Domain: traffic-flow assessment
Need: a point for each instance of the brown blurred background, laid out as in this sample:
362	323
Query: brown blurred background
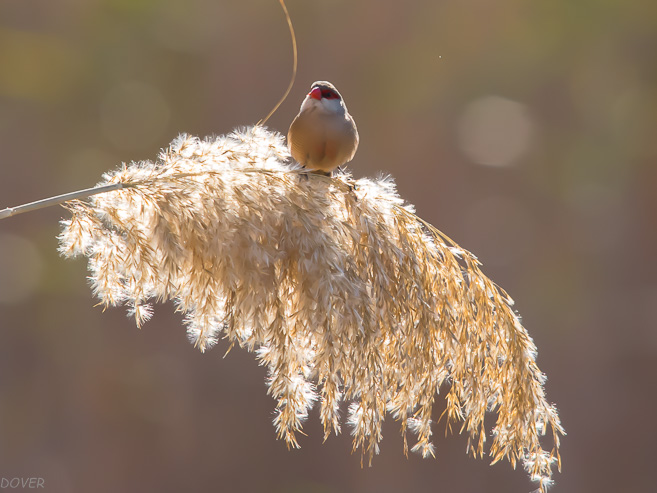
525	130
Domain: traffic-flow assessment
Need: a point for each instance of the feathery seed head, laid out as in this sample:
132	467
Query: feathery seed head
342	291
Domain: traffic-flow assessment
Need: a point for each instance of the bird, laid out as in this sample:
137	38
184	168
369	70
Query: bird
323	136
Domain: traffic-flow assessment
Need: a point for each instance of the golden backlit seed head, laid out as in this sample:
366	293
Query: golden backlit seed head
339	288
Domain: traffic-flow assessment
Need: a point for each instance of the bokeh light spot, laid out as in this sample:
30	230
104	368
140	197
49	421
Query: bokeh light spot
495	131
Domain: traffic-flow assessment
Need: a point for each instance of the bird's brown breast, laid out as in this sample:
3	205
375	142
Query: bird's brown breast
322	141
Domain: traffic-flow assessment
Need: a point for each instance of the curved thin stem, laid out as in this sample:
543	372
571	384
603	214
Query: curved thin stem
294	65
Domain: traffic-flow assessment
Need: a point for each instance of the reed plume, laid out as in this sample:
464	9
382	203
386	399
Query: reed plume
334	283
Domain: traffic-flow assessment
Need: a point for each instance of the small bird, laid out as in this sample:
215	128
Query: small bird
323	135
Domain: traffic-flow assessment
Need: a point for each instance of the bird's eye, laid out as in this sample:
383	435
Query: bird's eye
328	94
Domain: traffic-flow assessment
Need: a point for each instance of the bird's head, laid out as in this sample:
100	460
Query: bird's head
325	97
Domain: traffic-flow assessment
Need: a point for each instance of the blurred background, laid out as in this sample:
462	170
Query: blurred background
525	130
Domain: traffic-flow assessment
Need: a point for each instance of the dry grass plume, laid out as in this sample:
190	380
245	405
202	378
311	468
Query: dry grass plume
335	284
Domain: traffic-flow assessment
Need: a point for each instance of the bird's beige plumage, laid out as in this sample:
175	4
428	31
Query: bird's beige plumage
323	135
